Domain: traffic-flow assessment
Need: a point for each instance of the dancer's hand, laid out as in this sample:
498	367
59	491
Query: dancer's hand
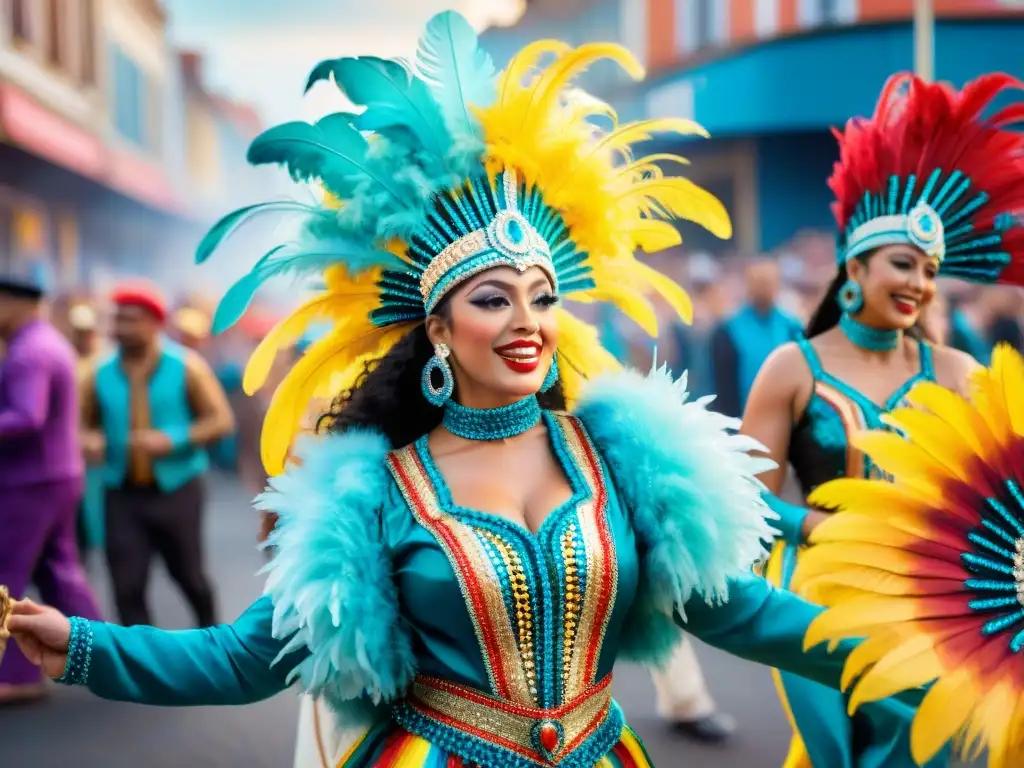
42	634
94	446
814	518
152	442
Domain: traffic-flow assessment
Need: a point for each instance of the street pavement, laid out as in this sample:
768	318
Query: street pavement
73	728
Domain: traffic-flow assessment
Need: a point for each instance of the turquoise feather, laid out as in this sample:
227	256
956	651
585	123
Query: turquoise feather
692	488
458	72
331	150
392	97
230	223
330	559
298	260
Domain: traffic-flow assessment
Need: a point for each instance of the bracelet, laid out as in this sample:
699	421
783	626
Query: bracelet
76	669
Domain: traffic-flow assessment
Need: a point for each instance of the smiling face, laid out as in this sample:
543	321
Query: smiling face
502	334
898	282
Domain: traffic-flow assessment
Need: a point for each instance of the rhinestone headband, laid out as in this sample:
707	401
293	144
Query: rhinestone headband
921	227
508	240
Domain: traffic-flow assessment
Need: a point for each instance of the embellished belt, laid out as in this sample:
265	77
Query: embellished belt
544	737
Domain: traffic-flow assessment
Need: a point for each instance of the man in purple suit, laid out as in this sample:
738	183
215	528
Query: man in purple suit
41	466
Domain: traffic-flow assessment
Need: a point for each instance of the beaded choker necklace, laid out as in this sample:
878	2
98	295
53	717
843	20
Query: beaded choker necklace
491	423
869	338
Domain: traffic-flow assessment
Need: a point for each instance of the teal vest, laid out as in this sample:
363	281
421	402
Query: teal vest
170	413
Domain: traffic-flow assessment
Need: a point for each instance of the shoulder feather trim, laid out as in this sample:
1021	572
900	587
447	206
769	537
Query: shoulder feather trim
330	578
690	486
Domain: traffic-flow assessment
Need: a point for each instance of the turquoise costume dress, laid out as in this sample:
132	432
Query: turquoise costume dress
459	638
877	736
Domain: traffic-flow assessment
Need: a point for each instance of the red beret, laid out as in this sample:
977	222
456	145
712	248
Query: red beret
142	295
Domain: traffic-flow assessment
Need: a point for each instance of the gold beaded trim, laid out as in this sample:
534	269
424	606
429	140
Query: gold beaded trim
573	601
523	611
509	725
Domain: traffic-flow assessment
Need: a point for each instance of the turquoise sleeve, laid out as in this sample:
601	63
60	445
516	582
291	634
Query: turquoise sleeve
766	625
222	665
791	517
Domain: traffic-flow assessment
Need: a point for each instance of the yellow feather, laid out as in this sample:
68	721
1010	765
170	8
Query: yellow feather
669	290
548	87
288	330
910	664
849	526
823	559
937	438
826	592
869	497
630	303
896	529
644	130
942	713
649	165
989	398
522	63
990	722
871	650
652	236
857	617
908	463
684	200
1015	749
1008	367
956	412
580	355
864	579
347	296
610	204
338	352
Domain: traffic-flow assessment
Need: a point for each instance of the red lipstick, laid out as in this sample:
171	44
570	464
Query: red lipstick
521	355
903	308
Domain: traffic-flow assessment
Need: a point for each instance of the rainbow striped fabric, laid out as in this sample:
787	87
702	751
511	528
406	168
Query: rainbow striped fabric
389	746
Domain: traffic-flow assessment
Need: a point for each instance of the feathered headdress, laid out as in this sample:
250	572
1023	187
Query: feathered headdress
928	169
929	569
452	169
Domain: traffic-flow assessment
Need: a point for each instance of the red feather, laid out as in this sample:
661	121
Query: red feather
919	127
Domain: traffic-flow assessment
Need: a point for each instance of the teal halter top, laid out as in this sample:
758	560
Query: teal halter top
819	448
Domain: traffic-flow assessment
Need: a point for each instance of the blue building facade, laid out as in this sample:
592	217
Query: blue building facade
770	108
769	94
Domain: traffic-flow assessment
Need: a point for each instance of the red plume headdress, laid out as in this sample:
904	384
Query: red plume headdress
930	170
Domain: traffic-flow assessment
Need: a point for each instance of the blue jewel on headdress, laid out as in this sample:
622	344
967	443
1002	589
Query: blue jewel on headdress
924	228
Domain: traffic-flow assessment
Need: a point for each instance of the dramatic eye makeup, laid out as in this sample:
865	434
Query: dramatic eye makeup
494	294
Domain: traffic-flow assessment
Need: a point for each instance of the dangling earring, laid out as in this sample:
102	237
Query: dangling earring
850	298
439	362
552	376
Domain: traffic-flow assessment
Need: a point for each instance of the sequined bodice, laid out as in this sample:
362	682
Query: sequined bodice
529	619
819	448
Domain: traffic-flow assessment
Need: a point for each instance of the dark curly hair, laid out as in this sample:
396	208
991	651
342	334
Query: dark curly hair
387	395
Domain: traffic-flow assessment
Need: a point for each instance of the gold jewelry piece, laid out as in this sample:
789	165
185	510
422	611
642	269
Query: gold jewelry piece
6	609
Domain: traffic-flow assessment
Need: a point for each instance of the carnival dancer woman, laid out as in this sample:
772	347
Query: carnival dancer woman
458	562
923	188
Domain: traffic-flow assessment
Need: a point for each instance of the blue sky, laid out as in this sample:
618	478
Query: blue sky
261	50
